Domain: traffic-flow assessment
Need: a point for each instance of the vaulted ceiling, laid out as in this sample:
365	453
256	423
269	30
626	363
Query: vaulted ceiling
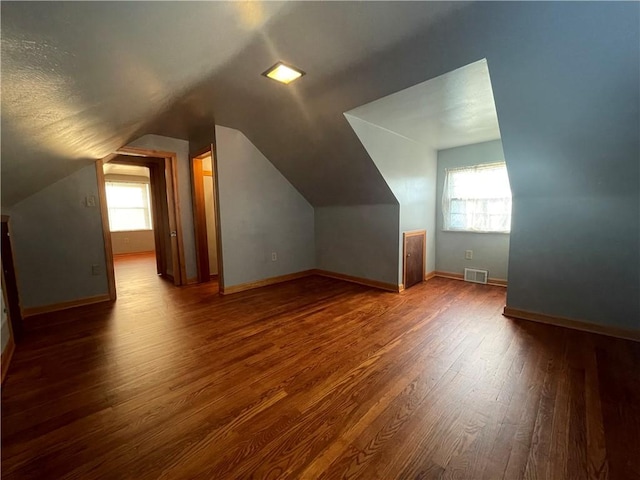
80	79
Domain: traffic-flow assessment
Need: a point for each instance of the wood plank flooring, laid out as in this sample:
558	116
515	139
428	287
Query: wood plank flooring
315	379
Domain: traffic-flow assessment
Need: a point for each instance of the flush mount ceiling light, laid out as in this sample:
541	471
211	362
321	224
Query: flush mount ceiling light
283	73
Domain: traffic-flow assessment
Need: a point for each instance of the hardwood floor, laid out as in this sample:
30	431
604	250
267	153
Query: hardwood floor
315	379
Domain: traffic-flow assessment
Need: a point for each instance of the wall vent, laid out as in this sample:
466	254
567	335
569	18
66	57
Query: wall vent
475	276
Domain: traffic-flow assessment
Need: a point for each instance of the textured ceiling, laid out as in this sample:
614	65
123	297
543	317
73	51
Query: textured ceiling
80	79
448	111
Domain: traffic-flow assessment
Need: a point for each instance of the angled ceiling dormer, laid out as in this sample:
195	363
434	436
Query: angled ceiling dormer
402	133
452	110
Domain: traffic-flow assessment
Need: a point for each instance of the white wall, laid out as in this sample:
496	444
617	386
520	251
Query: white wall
409	168
210	213
56	240
181	148
490	250
133	241
260	213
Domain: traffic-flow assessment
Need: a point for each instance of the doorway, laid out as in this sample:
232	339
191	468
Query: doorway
414	257
207	216
137	220
163	211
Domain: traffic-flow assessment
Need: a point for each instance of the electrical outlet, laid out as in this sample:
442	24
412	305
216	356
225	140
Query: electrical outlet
274	256
468	254
96	270
90	201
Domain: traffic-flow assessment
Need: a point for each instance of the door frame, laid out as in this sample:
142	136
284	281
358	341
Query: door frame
173	204
15	316
405	236
200	217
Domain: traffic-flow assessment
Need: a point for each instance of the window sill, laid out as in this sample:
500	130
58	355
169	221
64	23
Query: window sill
475	231
130	231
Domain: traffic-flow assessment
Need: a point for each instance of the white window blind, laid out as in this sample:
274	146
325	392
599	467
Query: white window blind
129	207
477	199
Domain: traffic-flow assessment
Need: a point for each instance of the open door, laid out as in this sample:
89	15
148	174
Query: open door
414	257
206	215
165	211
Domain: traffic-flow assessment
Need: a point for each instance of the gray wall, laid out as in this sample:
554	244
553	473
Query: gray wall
260	213
181	148
568	101
409	168
565	79
490	250
359	240
56	239
585	265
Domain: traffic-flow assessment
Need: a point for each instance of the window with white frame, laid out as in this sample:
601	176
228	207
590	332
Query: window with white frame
129	206
477	199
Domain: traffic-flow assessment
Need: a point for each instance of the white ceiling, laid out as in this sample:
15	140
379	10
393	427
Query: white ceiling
448	111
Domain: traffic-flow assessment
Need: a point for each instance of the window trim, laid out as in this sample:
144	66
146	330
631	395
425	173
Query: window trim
148	208
444	210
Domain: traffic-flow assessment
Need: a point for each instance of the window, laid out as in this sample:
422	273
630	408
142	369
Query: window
477	199
128	205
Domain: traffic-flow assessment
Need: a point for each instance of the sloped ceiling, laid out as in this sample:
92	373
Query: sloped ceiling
80	79
451	110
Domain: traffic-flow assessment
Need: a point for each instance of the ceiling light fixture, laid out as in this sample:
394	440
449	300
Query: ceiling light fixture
283	73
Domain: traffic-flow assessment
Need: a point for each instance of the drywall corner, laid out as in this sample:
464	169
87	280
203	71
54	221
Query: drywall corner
261	214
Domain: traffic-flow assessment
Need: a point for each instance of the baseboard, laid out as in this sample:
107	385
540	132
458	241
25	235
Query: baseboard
263	283
427	277
56	307
194	280
361	281
496	282
571	323
7	354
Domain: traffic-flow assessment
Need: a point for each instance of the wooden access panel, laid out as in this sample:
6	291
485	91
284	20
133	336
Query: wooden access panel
414	257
